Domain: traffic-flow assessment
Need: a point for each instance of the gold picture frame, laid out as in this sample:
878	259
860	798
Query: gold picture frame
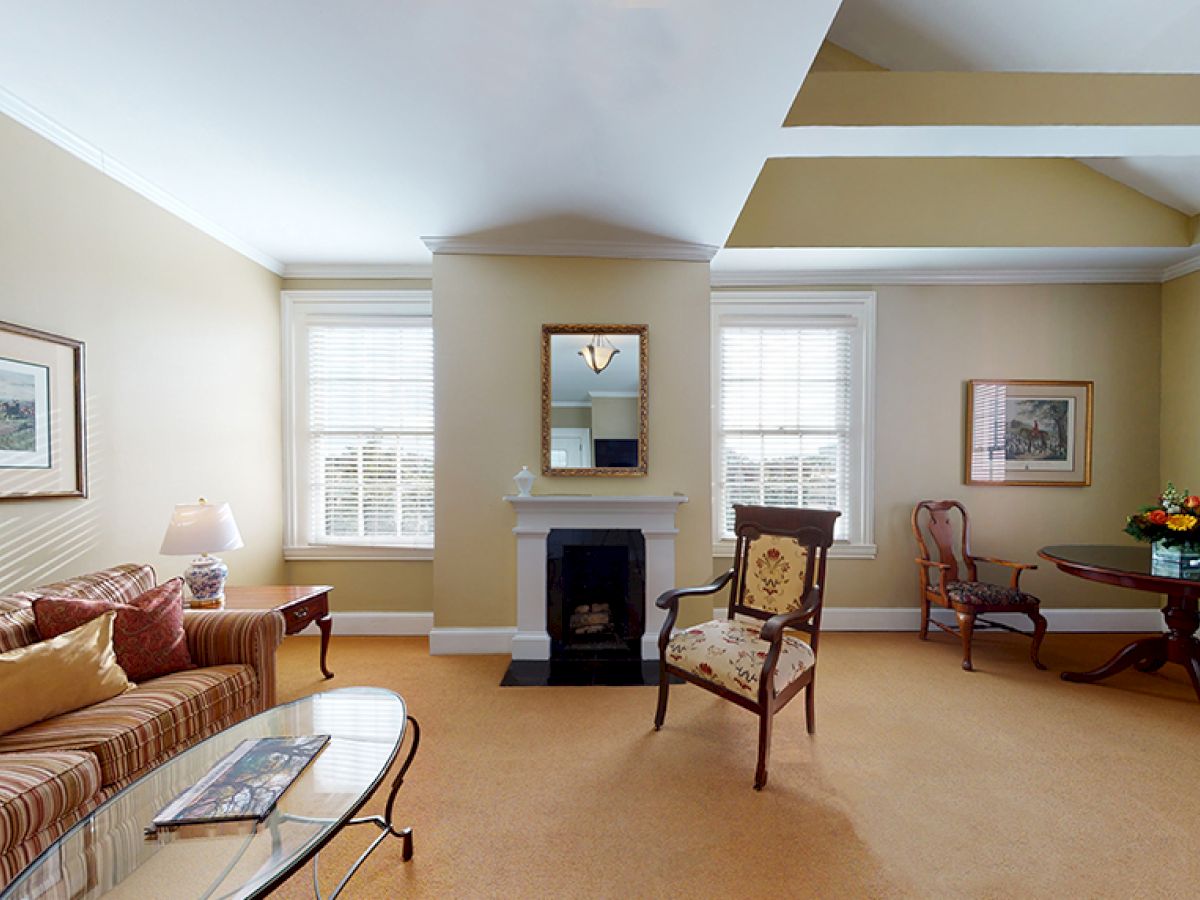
1028	433
43	441
643	403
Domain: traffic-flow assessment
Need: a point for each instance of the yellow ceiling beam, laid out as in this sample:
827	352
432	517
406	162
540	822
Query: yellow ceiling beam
865	98
950	202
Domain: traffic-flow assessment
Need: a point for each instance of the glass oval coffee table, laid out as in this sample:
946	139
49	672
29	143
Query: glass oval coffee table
108	853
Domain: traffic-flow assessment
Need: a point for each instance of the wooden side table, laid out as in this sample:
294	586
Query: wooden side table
301	605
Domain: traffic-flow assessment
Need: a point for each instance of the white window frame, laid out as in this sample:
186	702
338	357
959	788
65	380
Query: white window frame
297	308
816	307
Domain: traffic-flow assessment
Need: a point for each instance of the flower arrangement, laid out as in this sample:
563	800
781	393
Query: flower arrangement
1172	522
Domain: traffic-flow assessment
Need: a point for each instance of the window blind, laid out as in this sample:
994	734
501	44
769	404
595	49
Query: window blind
785	417
370	431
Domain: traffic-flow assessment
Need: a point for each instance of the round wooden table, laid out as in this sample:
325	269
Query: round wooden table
1132	567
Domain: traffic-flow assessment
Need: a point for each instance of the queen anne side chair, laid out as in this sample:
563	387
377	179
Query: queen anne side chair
776	582
968	596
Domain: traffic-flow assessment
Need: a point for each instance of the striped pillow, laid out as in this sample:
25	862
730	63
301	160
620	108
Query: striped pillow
148	634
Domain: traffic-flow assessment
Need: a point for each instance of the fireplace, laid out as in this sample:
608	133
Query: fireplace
595	593
652	517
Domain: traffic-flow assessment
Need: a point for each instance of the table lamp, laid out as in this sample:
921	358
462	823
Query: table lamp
203	528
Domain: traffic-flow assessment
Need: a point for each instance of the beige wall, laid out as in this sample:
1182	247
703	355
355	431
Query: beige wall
570	417
183	372
932	339
1180	457
488	421
370	585
614	417
949	202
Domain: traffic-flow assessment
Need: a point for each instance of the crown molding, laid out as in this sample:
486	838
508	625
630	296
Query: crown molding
671	250
420	271
785	278
1184	267
41	124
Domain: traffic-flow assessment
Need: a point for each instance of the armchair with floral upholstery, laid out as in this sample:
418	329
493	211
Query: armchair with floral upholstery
755	658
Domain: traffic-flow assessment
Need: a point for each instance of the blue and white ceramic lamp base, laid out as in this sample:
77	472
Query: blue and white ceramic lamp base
205	578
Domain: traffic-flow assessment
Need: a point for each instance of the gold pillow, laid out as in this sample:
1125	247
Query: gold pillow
73	670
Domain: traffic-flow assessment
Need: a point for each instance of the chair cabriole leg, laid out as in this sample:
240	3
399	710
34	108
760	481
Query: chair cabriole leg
966	627
924	617
1039	632
810	705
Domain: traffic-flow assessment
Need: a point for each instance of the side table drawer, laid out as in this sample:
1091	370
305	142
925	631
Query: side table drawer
300	616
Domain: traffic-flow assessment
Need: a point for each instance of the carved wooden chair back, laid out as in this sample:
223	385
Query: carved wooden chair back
780	555
939	523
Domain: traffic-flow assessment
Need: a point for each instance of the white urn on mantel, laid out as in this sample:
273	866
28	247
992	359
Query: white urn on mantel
524	480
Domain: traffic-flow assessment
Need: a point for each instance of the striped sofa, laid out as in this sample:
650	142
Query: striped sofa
55	772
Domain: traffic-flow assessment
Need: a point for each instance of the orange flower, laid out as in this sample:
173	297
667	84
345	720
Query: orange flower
1157	516
1181	522
1192	502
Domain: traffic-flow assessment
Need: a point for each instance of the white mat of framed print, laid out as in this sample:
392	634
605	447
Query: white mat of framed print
1029	433
42	442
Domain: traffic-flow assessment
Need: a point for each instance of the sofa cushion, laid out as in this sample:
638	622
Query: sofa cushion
148	636
135	730
74	670
38	789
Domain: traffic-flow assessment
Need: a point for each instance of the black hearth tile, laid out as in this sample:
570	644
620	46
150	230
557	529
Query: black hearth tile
582	673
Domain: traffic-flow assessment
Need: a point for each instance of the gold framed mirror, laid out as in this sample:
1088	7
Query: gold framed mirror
594	399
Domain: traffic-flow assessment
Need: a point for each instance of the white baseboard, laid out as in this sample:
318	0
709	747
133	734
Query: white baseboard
383	624
443	641
887	618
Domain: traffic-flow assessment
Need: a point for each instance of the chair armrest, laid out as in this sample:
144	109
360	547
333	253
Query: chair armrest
669	599
942	569
1017	567
248	636
772	629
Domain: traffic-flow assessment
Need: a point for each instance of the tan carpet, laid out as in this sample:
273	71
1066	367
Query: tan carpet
922	780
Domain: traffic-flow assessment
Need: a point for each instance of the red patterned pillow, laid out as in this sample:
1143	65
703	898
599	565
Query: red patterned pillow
147	635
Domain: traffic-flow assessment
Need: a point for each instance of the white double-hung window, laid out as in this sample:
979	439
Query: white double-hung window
359	431
792	408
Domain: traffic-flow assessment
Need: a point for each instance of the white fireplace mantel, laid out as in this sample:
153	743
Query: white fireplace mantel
654	517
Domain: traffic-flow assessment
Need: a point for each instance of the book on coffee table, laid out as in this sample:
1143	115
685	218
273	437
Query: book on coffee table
245	784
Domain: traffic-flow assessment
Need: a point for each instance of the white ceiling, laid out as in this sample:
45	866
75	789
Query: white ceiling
320	132
1173	180
1023	35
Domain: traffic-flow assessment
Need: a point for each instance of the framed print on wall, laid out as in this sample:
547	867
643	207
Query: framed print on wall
43	448
1029	433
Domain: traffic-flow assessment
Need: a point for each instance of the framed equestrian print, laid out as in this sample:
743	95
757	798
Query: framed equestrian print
1029	433
43	450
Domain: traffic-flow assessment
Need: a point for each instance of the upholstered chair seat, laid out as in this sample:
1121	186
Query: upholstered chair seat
980	593
756	656
731	654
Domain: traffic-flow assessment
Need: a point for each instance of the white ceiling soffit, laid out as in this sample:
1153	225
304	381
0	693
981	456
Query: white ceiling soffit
738	267
321	133
1152	36
1180	142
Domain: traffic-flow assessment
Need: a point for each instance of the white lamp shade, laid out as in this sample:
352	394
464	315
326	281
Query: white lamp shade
201	528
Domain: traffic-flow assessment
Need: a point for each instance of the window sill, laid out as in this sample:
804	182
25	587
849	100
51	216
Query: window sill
352	552
840	550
